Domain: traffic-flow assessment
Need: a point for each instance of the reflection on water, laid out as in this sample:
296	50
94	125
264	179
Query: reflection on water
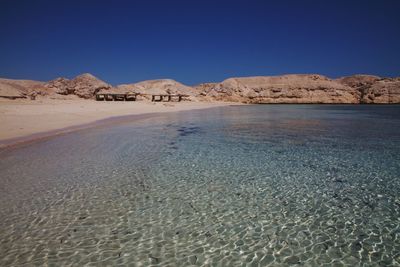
237	186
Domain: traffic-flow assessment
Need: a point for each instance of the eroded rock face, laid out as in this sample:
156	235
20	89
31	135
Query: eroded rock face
383	91
21	88
205	88
60	86
84	86
373	89
263	89
282	89
157	87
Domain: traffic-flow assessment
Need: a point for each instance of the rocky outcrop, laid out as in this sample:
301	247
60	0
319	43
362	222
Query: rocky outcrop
281	89
84	86
21	88
204	89
373	89
304	88
157	87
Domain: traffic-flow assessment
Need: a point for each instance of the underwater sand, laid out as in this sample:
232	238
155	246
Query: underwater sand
266	185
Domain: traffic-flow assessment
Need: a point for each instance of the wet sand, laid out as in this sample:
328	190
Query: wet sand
24	120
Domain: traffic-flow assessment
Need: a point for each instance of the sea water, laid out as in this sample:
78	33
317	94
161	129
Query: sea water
265	185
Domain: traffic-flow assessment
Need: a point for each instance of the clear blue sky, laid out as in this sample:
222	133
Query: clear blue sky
197	41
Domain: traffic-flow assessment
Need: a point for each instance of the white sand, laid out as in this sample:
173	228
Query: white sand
19	118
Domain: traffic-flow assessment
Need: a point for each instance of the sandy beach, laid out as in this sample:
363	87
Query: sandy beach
23	118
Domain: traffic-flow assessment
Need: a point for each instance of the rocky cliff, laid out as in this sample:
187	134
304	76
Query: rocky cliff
357	89
84	86
303	88
281	89
20	88
159	87
373	89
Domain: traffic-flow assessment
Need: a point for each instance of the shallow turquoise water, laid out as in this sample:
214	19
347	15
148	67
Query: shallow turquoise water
276	185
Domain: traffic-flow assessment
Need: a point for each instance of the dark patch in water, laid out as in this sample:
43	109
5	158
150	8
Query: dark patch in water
356	246
369	204
154	259
347	199
185	131
338	180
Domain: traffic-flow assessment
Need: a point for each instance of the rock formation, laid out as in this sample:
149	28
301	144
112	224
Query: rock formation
84	86
159	87
303	88
281	89
373	89
20	88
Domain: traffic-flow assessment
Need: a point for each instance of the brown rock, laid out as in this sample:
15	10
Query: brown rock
305	88
162	86
84	86
373	89
283	89
21	88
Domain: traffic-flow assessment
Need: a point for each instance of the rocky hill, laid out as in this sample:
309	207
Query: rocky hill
162	86
84	86
281	89
373	89
363	89
20	88
302	88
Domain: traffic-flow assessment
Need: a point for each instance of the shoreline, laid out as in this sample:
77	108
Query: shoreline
24	122
39	136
